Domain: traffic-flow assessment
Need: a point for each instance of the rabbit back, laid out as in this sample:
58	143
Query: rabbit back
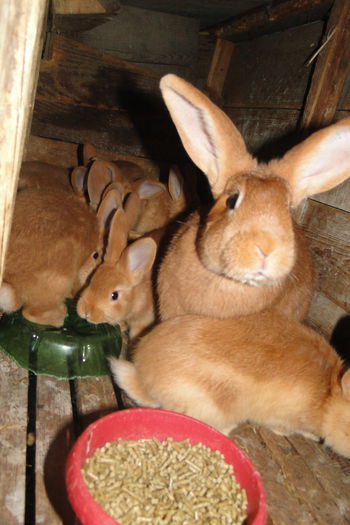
52	235
266	369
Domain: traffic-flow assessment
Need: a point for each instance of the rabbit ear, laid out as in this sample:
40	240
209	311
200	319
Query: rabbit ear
89	153
101	174
131	209
117	237
147	188
175	183
319	163
78	178
345	385
139	257
208	135
111	201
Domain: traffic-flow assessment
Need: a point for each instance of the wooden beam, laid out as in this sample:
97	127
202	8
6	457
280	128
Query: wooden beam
73	16
278	15
218	69
331	71
21	37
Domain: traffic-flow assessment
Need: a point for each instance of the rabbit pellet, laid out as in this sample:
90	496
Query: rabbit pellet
163	482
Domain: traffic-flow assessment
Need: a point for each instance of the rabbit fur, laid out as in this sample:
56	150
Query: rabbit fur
120	290
40	175
246	253
54	245
264	368
160	203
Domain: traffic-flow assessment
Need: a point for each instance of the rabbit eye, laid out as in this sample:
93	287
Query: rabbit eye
114	296
95	255
232	201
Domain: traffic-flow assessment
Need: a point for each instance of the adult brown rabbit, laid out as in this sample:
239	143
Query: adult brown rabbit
264	368
246	254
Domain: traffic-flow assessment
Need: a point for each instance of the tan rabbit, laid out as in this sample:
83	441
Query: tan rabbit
264	368
246	253
120	290
159	203
54	245
41	175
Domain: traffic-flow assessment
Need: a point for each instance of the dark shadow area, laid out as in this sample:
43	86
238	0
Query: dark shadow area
151	122
54	474
340	339
278	146
55	463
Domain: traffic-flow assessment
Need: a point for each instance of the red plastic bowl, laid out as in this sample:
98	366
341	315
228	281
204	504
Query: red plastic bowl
138	423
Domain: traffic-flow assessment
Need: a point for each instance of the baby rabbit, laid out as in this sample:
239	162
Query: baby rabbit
246	254
120	290
159	203
54	243
264	368
41	175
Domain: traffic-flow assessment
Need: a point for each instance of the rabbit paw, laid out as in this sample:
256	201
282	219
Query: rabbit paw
53	317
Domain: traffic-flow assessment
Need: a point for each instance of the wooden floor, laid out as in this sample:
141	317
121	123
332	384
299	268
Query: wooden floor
40	418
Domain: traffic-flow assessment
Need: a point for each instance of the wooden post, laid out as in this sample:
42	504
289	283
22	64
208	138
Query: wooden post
21	31
332	68
219	66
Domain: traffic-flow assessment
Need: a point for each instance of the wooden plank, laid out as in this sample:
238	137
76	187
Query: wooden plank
268	132
21	23
80	15
332	68
338	197
142	134
328	232
219	66
65	154
332	473
78	74
323	315
141	35
95	398
274	17
13	424
54	438
285	506
270	71
303	481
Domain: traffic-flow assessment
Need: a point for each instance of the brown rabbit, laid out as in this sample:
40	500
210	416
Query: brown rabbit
53	247
159	203
41	175
120	290
246	254
264	368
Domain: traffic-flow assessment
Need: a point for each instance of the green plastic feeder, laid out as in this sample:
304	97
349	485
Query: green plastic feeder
77	349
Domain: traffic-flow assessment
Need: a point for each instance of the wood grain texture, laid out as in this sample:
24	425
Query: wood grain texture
328	232
21	23
95	398
219	67
272	17
54	438
72	16
145	36
270	71
331	71
13	424
303	483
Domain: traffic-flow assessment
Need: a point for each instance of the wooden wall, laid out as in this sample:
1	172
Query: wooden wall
264	94
21	36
